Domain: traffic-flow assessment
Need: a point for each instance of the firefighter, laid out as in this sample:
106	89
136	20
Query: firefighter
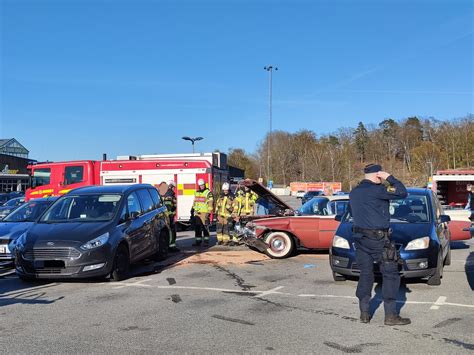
245	203
224	212
203	205
169	198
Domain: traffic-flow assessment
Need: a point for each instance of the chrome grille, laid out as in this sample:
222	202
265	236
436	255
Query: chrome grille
51	253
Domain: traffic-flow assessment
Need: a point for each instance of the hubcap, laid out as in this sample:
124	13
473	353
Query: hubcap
278	244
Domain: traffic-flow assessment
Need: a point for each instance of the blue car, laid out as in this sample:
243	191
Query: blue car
19	221
10	205
420	233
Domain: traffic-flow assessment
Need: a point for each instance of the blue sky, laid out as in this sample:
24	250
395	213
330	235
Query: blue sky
79	78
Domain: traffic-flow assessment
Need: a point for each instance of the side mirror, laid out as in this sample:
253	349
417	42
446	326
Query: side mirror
33	183
338	217
133	215
444	218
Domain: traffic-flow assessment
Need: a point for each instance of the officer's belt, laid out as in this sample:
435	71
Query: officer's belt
373	233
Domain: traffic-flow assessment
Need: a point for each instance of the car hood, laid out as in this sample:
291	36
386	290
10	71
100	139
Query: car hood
402	233
67	233
12	230
263	192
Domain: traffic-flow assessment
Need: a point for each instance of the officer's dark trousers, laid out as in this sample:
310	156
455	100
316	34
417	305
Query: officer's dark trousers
369	250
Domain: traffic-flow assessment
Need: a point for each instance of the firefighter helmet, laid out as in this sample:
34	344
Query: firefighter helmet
225	186
201	182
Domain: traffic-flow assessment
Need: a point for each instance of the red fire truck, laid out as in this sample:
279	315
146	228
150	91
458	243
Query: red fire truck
54	179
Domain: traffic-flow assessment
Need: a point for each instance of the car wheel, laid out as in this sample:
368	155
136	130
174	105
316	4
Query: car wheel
163	244
435	279
281	245
447	260
121	264
337	277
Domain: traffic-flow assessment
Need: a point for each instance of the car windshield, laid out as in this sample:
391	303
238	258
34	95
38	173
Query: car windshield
322	206
315	207
29	212
83	208
13	202
412	209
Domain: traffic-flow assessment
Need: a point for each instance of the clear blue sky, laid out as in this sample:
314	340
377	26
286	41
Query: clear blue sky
80	78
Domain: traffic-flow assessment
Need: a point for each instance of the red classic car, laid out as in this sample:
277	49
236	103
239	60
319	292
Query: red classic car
281	229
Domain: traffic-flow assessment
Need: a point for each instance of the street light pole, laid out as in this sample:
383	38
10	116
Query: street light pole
269	69
192	140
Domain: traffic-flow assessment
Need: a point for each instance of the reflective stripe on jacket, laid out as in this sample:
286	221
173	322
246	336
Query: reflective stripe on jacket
225	206
203	201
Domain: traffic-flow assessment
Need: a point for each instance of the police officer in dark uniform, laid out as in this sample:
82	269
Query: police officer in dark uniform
369	204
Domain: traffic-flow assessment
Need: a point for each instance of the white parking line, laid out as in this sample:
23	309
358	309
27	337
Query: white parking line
441	301
269	292
136	284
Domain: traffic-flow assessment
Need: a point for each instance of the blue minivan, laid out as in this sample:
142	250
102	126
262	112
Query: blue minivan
95	231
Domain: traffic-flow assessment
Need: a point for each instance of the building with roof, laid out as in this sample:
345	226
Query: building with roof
12	147
14	163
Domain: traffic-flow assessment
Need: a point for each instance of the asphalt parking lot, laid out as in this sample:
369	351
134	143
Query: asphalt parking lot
234	300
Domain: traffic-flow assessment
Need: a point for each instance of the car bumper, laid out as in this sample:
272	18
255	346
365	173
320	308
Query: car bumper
412	268
66	268
255	242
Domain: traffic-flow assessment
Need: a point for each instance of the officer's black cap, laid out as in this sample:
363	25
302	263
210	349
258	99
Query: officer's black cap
372	168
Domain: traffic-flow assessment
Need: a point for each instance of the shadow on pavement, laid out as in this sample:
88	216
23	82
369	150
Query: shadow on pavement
459	245
377	300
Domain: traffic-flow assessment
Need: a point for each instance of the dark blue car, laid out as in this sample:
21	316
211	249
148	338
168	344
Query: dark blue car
18	222
419	230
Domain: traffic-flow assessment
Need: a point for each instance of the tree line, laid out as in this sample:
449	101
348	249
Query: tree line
412	148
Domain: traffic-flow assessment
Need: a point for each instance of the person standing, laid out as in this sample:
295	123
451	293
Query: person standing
245	203
369	205
224	210
169	199
202	207
470	201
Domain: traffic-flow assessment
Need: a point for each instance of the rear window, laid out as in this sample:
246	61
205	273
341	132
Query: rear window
146	201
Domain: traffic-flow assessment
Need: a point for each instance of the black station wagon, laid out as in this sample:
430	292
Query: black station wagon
95	231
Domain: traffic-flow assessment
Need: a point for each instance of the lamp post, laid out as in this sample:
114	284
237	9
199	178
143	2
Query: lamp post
269	69
192	140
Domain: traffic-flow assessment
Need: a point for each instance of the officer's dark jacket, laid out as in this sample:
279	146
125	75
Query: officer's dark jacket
471	200
369	203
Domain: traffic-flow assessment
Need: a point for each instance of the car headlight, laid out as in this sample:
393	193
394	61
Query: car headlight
97	242
340	242
21	241
417	244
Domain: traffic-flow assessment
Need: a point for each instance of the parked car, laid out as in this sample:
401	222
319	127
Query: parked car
286	230
95	231
300	193
309	195
420	232
10	205
19	221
